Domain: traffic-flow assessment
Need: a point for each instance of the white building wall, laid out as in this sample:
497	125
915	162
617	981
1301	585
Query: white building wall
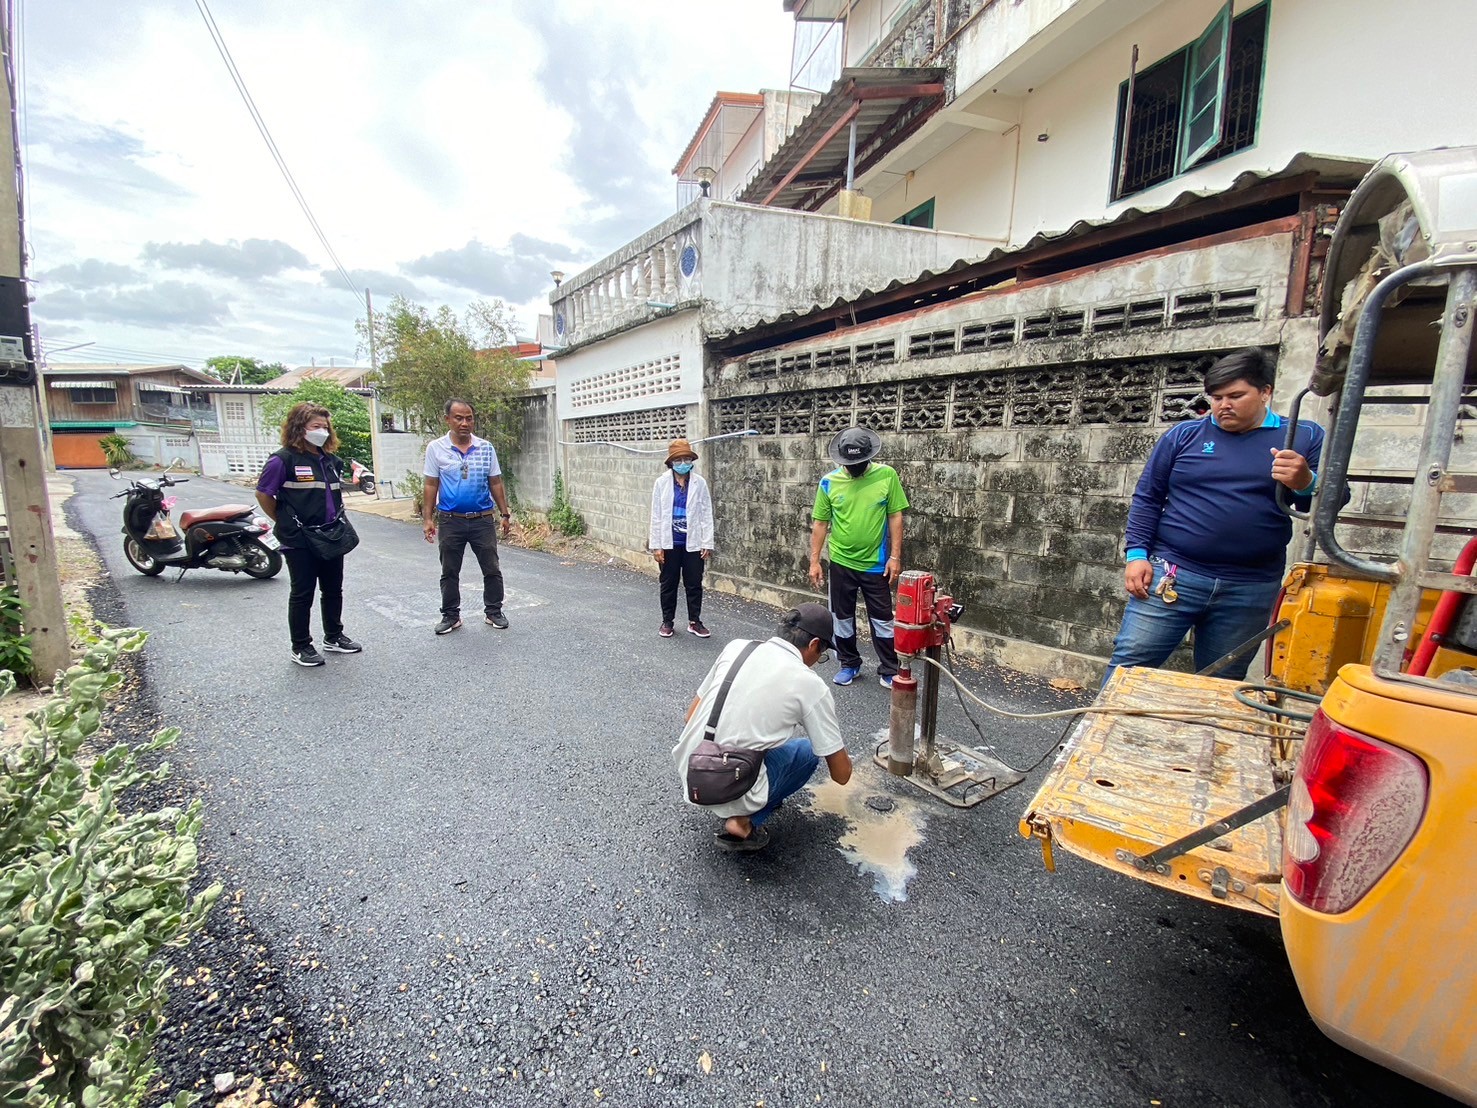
656	365
1333	84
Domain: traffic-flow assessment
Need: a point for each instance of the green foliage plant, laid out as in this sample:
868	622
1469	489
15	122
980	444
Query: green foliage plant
562	514
415	484
426	359
117	451
15	643
237	370
350	414
90	896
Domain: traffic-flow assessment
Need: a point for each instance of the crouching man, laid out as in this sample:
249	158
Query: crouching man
759	725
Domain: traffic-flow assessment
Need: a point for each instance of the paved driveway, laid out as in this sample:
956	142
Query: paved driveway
470	855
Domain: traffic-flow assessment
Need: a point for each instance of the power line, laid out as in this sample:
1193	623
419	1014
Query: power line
261	126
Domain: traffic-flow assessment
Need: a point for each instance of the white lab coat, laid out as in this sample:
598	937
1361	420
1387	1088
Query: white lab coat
699	514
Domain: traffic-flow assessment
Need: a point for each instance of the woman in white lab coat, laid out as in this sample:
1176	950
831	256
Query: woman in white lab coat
681	535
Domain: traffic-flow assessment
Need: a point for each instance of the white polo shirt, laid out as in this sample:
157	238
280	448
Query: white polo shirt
776	697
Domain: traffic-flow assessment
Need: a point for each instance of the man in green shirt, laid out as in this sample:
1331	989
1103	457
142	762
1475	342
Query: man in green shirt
861	506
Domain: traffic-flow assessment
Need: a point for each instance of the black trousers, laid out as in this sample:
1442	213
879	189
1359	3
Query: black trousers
455	534
877	594
687	564
308	571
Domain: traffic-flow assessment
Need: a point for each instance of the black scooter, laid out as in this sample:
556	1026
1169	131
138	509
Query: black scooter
232	537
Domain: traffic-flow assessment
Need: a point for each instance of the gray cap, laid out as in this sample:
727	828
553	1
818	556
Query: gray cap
855	445
815	620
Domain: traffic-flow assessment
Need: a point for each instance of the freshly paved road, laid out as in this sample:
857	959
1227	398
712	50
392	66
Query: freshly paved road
471	856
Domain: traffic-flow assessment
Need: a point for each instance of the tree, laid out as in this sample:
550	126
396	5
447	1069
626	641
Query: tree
238	370
350	414
427	359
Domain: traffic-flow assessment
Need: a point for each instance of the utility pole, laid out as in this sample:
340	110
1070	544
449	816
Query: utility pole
22	465
374	405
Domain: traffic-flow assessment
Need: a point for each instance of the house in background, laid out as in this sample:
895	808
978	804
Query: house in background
349	376
152	406
244	441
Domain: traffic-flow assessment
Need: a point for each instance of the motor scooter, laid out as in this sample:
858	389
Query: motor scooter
231	537
361	477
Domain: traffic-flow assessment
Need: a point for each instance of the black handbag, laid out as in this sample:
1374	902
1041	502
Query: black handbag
333	539
720	774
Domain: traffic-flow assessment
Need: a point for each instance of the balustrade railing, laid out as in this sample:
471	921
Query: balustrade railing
646	280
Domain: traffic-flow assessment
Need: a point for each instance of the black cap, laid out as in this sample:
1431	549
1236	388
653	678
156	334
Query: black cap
815	620
855	445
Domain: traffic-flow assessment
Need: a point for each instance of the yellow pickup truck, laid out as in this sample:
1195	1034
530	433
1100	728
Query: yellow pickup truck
1340	793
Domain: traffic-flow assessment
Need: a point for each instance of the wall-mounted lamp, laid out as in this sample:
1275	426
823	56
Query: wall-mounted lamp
1043	137
705	175
558	275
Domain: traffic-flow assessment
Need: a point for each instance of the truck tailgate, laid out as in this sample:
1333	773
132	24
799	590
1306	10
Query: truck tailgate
1124	786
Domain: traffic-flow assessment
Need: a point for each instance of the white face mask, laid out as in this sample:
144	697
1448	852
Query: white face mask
317	436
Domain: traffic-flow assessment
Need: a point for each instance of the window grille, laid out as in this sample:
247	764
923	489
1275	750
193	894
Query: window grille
836	357
873	353
651	425
931	344
1156	149
644	379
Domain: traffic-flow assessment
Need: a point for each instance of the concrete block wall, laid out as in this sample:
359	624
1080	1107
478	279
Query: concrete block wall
531	465
610	486
1024	527
400	453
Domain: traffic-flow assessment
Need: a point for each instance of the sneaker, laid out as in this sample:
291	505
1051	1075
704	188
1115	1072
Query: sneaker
885	680
846	675
666	631
696	628
341	644
496	619
448	625
307	656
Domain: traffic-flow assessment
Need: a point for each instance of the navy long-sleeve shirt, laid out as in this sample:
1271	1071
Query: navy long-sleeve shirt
1206	500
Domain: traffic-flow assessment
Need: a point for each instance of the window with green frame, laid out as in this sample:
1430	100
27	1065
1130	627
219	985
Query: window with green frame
1198	104
921	216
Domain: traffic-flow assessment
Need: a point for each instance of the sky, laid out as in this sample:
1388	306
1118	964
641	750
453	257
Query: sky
450	151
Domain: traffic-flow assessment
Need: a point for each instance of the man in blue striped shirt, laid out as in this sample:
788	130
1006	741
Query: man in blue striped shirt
463	492
1207	541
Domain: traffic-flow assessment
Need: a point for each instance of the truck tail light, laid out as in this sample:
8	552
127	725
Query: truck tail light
1356	803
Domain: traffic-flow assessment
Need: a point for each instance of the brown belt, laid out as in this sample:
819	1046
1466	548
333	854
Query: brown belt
468	515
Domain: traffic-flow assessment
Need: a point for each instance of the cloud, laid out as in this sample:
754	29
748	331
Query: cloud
96	160
90	273
381	283
593	75
172	303
252	258
515	273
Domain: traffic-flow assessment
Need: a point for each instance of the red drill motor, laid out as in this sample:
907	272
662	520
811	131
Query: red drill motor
923	617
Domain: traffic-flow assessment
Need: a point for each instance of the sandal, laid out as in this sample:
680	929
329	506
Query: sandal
758	839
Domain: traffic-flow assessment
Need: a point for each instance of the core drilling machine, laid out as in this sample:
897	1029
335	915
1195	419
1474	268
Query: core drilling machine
957	774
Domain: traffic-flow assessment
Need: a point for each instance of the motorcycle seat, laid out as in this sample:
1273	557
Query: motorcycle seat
208	515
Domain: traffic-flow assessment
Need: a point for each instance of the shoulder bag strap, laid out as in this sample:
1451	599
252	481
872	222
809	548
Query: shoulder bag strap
712	728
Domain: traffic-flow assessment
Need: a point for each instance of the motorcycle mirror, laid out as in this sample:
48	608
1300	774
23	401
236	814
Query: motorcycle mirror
177	463
113	472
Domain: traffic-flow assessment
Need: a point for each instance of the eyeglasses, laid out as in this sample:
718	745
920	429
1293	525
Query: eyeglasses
464	471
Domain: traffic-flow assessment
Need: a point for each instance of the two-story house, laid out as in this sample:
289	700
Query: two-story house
152	406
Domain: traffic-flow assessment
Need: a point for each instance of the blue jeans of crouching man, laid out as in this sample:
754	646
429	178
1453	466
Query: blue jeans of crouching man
1222	613
454	534
788	767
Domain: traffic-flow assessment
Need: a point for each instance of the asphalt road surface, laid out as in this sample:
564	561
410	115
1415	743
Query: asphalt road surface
470	857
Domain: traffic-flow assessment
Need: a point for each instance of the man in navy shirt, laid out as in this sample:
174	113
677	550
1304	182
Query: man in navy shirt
1207	542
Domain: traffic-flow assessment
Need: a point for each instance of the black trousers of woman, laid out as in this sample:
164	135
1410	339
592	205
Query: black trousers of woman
308	571
688	564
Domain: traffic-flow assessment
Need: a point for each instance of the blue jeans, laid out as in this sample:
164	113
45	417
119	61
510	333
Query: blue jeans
789	767
1222	613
